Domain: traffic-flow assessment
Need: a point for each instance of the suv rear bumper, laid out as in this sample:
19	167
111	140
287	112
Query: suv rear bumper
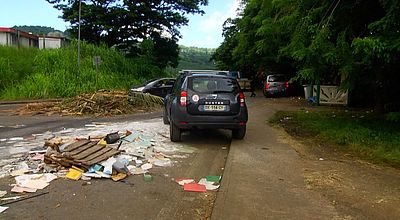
183	120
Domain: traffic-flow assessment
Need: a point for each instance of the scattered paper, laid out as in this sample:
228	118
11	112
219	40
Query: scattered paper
94	168
16	139
19	172
92	175
209	185
3	208
194	187
163	163
146	166
103	175
19	189
38	157
3	193
214	179
184	181
35	184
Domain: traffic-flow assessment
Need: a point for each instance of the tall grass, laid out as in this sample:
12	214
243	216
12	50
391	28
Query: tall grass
54	73
15	64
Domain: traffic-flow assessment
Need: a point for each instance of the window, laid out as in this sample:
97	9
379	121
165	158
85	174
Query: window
211	85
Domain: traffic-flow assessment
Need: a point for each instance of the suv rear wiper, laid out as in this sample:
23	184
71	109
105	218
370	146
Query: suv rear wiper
220	91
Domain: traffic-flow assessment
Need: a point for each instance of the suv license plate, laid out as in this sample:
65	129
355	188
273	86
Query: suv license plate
214	107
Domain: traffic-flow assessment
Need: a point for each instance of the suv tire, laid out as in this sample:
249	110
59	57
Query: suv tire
165	118
174	132
239	133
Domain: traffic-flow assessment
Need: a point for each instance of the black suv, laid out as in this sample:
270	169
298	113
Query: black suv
205	101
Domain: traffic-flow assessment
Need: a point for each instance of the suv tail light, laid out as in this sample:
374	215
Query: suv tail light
286	84
183	98
241	99
266	85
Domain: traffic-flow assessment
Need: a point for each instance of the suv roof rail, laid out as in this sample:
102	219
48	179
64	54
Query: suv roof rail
217	72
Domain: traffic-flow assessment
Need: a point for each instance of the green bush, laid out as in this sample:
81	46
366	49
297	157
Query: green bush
393	117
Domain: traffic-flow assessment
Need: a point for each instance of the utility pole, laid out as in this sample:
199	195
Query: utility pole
79	37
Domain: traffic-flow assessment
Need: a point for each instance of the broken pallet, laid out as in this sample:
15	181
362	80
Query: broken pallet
83	153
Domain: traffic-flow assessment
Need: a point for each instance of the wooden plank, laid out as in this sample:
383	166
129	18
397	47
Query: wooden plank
82	148
76	145
94	155
87	152
105	156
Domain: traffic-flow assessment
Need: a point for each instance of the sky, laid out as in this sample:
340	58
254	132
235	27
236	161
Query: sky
202	31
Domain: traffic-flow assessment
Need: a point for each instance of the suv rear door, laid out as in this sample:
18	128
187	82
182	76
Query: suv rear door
212	95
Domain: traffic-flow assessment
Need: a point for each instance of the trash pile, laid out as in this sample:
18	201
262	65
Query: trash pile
208	183
100	103
100	150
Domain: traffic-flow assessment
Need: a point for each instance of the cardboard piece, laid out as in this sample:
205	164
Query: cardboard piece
19	189
35	184
74	174
194	187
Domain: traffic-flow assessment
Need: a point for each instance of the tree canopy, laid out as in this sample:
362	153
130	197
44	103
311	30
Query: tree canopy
125	24
352	43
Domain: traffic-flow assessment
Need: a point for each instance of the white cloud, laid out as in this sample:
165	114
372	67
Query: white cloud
215	21
208	31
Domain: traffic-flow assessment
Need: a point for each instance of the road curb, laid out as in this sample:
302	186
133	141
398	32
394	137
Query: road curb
12	102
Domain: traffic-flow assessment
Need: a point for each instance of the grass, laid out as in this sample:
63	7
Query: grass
367	135
28	73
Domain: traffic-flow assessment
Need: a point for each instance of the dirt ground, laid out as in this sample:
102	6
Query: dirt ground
358	189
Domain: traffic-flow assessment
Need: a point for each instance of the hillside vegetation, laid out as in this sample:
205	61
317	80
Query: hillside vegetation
195	58
37	29
34	74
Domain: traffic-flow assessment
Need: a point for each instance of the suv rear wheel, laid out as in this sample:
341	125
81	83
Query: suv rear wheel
165	117
174	132
239	133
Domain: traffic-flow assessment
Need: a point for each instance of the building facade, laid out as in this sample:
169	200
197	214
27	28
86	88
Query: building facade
13	37
47	42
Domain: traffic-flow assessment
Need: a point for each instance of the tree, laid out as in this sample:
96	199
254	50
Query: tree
124	24
318	41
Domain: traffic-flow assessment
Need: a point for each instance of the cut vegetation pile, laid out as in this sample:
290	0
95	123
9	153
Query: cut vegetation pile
100	103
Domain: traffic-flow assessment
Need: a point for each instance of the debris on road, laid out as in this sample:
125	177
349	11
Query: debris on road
3	208
194	187
147	177
84	153
207	183
100	103
214	179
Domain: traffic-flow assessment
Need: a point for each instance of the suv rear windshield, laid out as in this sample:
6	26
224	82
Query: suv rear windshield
212	85
276	78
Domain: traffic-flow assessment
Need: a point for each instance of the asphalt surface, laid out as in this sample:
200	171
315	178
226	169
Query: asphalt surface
263	177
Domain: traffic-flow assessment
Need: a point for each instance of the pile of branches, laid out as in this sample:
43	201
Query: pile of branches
100	103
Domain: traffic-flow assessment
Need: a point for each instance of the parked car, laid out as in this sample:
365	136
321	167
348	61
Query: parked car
159	87
276	85
205	101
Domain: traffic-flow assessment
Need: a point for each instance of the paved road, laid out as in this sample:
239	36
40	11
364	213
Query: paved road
161	198
263	177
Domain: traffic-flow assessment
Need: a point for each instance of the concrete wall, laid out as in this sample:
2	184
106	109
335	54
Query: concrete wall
49	43
5	38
